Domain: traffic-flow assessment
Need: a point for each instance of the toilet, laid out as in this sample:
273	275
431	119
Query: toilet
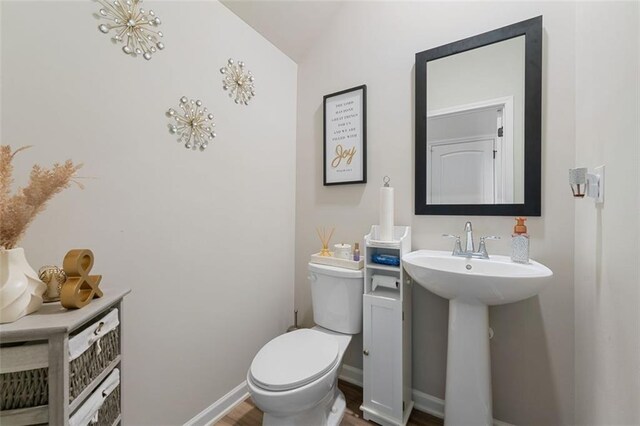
293	379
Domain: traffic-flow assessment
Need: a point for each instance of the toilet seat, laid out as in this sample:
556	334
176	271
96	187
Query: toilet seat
294	359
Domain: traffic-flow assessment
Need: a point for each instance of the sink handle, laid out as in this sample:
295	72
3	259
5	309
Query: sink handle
457	249
482	249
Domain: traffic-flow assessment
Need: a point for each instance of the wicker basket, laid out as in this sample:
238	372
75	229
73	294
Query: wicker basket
22	389
110	410
84	369
30	388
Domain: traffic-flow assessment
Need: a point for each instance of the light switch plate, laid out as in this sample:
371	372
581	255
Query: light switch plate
599	171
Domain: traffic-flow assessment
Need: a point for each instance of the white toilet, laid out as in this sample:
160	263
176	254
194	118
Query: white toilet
293	379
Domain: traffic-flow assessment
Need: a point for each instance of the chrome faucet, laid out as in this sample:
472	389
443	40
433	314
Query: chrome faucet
468	230
469	245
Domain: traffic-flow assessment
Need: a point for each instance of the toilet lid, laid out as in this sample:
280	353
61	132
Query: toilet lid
294	359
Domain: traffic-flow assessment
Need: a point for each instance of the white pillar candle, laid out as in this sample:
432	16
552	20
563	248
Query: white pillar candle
386	212
342	251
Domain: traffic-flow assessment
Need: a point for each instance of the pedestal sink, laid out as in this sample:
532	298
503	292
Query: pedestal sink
471	285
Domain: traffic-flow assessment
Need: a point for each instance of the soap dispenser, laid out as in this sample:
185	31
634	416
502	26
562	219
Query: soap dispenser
520	242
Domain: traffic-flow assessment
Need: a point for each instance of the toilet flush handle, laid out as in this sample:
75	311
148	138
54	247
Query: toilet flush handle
365	352
312	277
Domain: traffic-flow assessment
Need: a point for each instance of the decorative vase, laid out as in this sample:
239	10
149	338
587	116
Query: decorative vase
20	289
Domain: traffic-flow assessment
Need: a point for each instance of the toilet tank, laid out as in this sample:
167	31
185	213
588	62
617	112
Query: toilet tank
336	294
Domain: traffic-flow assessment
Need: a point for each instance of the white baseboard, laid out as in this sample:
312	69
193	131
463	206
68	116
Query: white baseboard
501	423
351	375
216	411
221	407
422	401
428	403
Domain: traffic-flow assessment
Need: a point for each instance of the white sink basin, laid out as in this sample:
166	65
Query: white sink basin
493	281
471	285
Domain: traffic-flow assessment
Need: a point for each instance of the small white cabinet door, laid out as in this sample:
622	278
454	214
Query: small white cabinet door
382	360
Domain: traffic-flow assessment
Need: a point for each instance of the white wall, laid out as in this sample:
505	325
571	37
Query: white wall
607	289
374	43
205	240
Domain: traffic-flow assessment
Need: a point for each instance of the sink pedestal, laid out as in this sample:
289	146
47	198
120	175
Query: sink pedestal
468	393
472	285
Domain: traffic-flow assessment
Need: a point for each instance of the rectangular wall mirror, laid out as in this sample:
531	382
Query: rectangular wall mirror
478	124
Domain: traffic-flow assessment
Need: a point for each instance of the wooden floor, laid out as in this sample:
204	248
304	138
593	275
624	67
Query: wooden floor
247	414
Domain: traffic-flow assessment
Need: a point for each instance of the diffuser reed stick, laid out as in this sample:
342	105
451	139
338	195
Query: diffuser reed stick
322	234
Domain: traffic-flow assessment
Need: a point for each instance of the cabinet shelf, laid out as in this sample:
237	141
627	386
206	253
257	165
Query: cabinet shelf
383	267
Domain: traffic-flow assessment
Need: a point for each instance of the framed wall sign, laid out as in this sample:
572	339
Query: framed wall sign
345	137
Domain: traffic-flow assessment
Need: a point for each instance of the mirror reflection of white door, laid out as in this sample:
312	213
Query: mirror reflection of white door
463	172
470	153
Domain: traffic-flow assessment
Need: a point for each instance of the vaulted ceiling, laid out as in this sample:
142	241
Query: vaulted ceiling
292	26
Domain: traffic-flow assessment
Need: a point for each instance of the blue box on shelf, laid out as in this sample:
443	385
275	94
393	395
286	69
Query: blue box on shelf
385	259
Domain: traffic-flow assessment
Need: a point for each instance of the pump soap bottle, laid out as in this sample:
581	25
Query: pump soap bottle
520	242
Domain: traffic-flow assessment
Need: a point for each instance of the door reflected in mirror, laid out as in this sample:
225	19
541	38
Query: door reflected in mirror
475	126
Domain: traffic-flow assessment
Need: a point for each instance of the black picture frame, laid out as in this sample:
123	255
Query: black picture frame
363	133
532	30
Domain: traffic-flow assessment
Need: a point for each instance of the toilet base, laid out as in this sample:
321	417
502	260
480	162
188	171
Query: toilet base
329	412
337	410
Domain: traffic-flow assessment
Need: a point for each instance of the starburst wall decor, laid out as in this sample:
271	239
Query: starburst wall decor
194	125
133	26
238	82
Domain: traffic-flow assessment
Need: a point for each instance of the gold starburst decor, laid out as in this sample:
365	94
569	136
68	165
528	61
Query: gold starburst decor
133	26
193	125
238	82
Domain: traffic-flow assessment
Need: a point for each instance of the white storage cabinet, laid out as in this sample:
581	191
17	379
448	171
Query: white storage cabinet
387	334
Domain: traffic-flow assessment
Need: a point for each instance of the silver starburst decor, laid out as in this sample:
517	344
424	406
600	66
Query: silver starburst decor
133	26
238	82
193	125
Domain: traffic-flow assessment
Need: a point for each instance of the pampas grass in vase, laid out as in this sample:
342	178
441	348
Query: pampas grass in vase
20	289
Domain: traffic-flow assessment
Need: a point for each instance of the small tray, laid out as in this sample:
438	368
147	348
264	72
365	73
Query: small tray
335	261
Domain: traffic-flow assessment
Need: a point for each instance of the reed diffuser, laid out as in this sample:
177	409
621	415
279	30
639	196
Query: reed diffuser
322	234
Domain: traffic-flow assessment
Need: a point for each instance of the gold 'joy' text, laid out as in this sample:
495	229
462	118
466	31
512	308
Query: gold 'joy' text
342	153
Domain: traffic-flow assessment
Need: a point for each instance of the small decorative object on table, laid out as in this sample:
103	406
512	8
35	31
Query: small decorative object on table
322	233
238	82
342	251
20	287
356	252
194	126
133	26
53	277
80	287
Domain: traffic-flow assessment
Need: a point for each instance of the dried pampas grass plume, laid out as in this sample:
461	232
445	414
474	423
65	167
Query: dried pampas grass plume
17	211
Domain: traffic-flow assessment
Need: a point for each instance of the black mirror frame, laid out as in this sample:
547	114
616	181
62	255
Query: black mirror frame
532	30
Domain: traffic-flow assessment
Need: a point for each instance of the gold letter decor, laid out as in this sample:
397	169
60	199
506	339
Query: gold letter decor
80	287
